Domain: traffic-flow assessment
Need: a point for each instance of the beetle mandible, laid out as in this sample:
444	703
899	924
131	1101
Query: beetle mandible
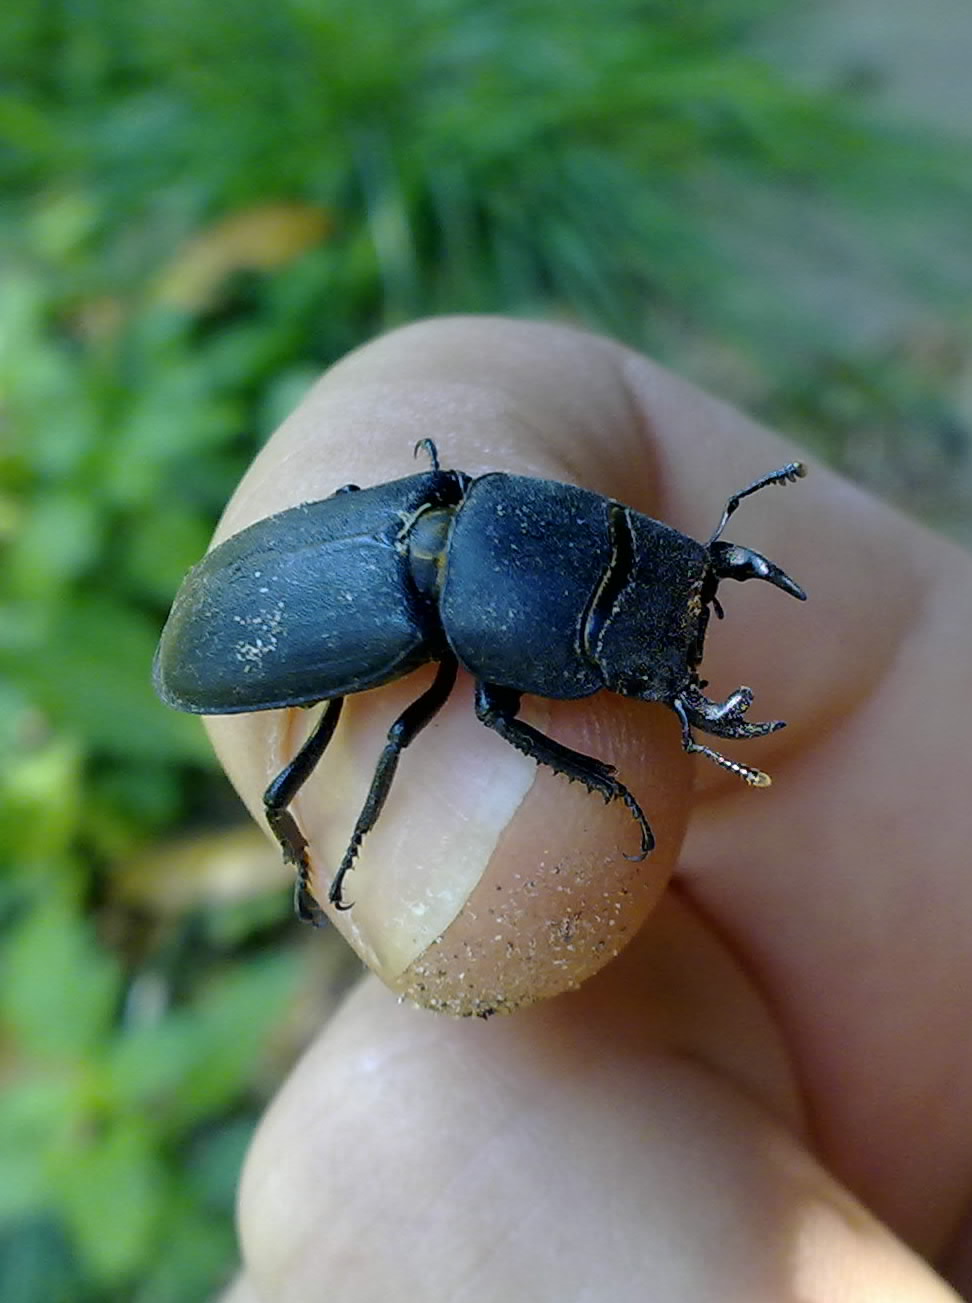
531	585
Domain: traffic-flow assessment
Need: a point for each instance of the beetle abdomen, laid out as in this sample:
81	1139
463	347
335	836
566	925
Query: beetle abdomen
311	603
525	560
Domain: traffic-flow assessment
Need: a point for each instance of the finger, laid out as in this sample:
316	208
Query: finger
533	865
813	882
847	892
560	404
410	1157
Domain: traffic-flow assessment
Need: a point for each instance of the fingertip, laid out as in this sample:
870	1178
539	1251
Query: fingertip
560	896
554	403
488	883
468	819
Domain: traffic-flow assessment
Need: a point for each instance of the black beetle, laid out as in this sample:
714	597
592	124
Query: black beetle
531	585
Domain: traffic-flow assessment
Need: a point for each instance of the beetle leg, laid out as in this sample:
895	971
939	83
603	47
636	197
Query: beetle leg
732	709
496	707
725	718
427	446
284	826
404	731
755	777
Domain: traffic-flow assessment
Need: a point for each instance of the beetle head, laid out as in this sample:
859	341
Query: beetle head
729	561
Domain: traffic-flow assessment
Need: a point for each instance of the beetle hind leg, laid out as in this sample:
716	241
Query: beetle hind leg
497	707
404	731
284	826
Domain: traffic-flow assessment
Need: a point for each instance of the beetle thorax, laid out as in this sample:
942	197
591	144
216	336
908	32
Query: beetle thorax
427	541
650	641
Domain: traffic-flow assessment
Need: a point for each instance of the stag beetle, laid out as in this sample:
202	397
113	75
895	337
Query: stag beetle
531	585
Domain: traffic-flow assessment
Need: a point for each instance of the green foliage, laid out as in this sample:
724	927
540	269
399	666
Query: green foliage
204	206
103	1128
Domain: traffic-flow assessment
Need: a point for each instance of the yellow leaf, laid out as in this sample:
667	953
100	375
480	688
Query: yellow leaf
207	869
257	239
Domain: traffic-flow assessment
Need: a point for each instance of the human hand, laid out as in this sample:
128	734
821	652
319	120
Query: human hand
778	1069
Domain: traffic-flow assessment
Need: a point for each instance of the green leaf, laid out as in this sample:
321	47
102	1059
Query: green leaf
93	674
112	1190
200	1255
59	542
195	1060
59	989
37	1264
40	797
36	1112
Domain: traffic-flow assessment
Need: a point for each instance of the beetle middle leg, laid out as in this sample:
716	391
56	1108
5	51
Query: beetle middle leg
404	731
284	826
497	707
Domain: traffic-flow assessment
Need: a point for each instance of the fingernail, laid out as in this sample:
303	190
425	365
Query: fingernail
456	789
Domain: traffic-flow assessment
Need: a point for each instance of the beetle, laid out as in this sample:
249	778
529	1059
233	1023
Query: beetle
531	585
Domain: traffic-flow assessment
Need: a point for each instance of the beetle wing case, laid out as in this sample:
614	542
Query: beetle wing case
311	603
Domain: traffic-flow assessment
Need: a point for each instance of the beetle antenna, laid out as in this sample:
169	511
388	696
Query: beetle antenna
788	474
427	445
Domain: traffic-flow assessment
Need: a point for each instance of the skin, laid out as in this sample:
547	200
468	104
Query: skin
767	1095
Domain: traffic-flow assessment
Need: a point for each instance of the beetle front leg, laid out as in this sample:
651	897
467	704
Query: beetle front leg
725	718
755	777
404	731
284	826
497	708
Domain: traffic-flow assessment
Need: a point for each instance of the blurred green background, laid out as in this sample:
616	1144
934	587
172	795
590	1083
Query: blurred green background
202	206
